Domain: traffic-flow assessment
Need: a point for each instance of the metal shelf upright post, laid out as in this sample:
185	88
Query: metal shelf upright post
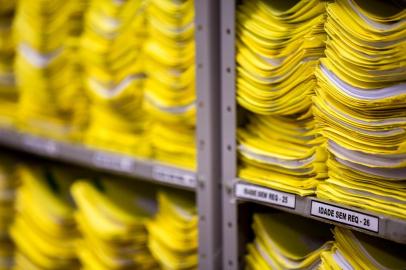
208	188
231	240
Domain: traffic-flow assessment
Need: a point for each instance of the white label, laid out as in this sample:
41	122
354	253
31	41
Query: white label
173	176
113	162
41	145
345	216
266	195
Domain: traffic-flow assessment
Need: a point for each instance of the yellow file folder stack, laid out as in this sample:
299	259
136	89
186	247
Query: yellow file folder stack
8	185
354	250
45	75
278	47
173	233
8	91
44	229
285	241
170	86
112	52
113	227
361	105
81	112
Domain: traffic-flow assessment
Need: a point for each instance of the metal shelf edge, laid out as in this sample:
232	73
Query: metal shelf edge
379	225
98	159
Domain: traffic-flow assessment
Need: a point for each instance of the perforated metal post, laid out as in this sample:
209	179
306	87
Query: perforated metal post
208	133
231	245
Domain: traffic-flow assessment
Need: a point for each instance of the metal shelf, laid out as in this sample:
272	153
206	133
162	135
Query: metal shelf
99	159
365	221
237	193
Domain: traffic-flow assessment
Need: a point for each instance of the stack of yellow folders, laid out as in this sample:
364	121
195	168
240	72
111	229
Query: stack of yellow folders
278	47
354	250
170	87
45	75
173	233
80	115
286	241
361	105
8	91
8	185
113	227
44	229
112	53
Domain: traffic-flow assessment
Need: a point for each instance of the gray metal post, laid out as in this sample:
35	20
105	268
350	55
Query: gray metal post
208	133
231	245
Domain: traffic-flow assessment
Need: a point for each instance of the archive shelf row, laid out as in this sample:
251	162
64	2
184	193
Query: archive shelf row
98	159
238	194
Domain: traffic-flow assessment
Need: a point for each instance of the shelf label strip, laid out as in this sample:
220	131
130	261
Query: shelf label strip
173	176
113	162
39	145
267	195
345	216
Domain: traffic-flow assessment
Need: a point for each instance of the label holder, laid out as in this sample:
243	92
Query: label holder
113	162
173	176
265	195
40	145
345	216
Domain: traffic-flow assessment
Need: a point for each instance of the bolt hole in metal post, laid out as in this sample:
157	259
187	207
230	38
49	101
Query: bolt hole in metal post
201	144
200	65
199	27
228	70
228	31
230	224
229	147
228	108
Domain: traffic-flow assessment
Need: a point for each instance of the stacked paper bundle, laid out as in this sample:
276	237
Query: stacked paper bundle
170	87
361	105
78	14
278	47
277	152
8	91
45	74
354	250
73	44
113	227
173	233
285	241
8	185
44	229
112	49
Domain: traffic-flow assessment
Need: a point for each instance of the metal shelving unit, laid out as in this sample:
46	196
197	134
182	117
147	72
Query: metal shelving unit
237	192
220	193
205	182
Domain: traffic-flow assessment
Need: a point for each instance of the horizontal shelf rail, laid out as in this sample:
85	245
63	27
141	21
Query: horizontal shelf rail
369	222
99	159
